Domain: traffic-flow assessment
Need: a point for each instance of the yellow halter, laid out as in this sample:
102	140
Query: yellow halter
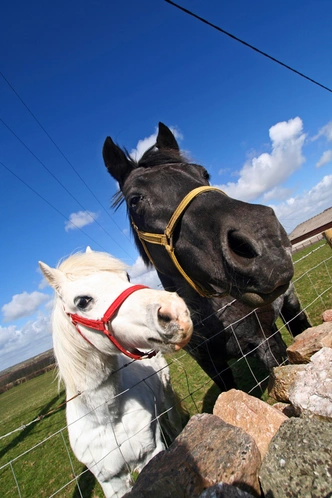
166	239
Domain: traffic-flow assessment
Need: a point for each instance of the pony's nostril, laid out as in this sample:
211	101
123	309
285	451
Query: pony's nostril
241	245
164	318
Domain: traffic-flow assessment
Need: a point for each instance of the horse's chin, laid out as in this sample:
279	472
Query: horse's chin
251	298
256	300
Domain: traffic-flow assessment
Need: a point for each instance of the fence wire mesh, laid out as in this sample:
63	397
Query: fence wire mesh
35	455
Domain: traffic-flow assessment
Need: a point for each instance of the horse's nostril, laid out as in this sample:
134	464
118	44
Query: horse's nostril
241	245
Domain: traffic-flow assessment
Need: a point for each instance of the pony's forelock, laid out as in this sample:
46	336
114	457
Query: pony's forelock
85	263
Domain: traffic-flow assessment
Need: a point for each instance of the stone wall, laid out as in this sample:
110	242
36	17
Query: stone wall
249	448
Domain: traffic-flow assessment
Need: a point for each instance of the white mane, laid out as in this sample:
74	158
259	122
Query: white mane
71	350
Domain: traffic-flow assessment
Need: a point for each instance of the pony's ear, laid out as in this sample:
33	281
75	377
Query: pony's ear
116	161
88	249
53	276
166	139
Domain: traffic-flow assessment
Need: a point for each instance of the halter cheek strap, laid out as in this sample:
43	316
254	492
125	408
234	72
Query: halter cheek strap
166	239
102	324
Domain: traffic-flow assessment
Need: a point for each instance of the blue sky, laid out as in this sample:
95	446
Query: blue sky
91	69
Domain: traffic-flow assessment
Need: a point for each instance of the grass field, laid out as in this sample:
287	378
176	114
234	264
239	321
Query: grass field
313	276
46	468
49	466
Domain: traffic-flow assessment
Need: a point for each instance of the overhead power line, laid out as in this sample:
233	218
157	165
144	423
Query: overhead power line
51	205
59	150
205	21
61	184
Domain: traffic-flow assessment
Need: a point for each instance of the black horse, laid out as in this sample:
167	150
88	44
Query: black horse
224	257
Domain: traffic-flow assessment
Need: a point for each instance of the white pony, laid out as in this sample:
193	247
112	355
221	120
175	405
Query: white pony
99	320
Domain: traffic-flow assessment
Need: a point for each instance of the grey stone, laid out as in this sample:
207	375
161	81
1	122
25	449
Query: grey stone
298	463
223	490
311	393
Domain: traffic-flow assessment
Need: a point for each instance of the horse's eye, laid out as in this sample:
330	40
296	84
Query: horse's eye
82	302
128	277
134	201
206	175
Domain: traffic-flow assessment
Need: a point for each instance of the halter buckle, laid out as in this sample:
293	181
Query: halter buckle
169	242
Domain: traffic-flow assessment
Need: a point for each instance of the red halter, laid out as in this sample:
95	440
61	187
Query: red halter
102	324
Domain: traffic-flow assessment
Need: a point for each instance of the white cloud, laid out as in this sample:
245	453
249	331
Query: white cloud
80	219
223	171
23	305
325	131
19	344
303	207
43	284
277	193
147	142
142	146
325	158
49	304
264	173
141	274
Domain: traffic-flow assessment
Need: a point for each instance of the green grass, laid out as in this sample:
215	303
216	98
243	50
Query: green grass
46	468
313	277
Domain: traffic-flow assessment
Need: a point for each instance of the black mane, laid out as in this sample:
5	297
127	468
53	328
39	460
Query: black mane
151	157
156	157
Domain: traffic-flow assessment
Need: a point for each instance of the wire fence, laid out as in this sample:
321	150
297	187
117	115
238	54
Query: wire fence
35	454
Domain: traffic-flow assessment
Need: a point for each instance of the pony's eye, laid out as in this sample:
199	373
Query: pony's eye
134	201
128	277
82	302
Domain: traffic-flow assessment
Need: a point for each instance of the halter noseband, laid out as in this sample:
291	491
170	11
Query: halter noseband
103	322
166	239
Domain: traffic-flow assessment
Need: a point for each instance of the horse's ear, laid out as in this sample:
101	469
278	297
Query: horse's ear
53	276
166	139
116	161
88	249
